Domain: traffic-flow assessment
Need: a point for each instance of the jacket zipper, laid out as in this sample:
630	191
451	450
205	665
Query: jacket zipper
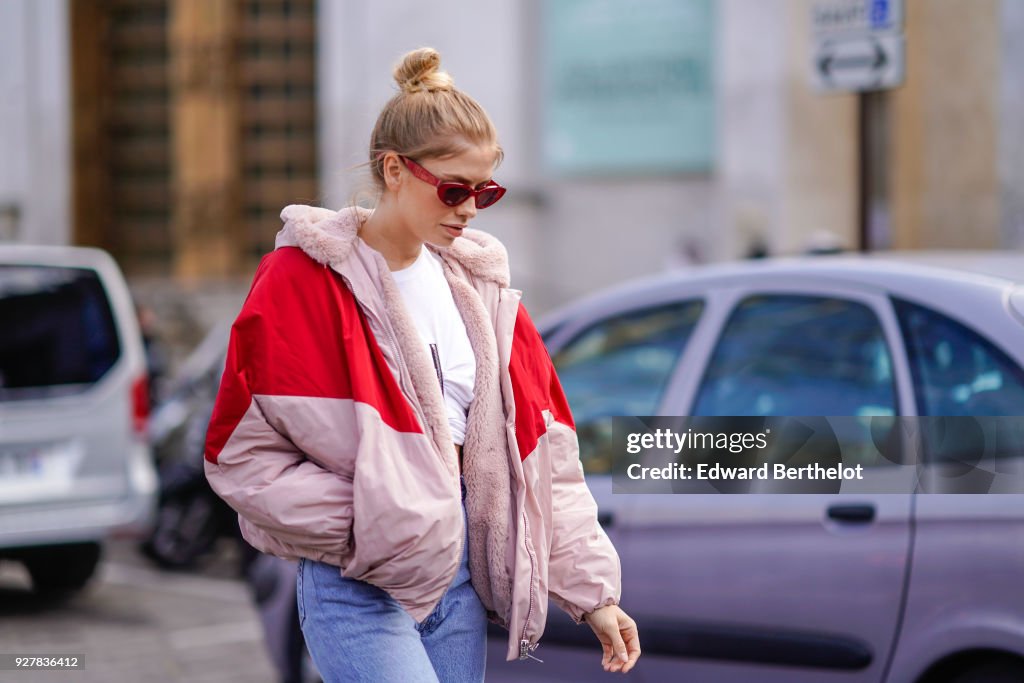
525	646
437	367
524	651
524	643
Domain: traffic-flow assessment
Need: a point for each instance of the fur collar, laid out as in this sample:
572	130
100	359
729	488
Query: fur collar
328	237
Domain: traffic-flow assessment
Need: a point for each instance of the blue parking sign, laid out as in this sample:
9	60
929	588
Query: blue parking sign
880	17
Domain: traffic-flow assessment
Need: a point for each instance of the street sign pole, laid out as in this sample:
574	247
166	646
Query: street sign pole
863	172
858	46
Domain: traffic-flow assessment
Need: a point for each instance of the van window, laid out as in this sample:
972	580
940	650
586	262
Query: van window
57	332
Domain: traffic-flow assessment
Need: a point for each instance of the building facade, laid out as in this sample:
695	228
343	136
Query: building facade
171	131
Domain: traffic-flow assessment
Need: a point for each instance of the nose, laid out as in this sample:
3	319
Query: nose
466	210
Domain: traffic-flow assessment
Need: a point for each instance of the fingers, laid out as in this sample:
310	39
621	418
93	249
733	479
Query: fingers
606	656
633	645
615	656
620	642
620	647
611	662
628	640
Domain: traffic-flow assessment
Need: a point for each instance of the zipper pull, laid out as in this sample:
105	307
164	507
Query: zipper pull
437	366
524	651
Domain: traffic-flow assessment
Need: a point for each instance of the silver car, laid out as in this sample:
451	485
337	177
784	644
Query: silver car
75	466
805	588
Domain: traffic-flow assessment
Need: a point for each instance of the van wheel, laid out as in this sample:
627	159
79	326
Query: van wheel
1001	670
61	569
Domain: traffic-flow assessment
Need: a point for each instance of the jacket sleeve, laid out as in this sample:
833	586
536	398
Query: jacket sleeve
583	566
286	501
583	569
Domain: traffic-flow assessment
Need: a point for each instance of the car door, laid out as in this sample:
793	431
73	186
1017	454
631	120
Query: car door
968	548
795	588
615	359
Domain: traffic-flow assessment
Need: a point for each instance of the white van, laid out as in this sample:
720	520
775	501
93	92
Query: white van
75	466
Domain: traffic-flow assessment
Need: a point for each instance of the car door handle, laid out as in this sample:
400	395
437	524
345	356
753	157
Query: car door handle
605	519
852	513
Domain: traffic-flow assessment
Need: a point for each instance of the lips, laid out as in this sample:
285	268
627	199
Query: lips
454	227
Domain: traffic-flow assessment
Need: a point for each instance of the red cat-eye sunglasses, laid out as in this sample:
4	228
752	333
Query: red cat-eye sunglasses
452	193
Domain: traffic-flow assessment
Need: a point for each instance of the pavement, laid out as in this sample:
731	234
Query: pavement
137	623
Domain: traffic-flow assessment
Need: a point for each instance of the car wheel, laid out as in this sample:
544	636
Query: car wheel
61	569
1001	670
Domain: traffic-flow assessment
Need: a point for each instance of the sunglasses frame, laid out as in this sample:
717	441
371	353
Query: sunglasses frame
442	187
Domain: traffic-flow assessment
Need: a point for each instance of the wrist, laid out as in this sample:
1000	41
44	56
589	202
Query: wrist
587	615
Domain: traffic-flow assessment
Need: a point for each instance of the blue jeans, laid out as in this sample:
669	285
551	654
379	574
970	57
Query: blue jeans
357	632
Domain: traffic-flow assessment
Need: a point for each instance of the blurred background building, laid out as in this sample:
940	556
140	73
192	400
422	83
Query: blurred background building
638	136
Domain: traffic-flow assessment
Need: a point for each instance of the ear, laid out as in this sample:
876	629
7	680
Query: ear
391	167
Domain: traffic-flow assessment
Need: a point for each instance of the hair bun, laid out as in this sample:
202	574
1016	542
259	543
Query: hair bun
420	70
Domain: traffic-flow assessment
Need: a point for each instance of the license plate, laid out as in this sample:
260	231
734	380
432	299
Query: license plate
30	471
21	463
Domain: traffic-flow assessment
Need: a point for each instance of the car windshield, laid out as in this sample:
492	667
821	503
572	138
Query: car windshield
57	333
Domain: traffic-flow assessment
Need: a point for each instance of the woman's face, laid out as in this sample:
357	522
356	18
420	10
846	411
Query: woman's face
423	213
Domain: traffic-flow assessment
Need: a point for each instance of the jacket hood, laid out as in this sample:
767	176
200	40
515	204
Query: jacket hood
328	237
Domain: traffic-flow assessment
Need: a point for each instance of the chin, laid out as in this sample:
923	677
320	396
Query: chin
442	241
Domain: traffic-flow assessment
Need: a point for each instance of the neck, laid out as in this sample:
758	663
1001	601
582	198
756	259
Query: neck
383	232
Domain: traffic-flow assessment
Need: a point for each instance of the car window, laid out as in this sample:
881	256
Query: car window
956	371
799	356
548	334
620	366
58	334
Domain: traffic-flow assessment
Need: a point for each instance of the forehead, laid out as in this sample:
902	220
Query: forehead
473	165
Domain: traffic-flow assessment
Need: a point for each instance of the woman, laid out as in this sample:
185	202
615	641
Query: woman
389	416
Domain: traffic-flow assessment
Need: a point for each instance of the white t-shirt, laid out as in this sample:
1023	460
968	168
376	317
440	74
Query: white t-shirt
428	298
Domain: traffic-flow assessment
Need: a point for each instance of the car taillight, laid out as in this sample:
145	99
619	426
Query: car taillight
140	405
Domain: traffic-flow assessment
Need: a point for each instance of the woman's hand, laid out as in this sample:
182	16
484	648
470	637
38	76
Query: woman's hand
618	635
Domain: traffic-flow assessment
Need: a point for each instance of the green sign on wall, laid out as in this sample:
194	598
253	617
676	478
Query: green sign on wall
628	85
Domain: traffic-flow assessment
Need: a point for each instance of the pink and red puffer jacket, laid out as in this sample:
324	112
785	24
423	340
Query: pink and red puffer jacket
330	436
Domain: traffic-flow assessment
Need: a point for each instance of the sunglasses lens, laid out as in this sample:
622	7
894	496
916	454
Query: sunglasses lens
454	195
488	197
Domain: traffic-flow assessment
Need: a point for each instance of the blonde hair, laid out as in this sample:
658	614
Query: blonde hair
429	117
